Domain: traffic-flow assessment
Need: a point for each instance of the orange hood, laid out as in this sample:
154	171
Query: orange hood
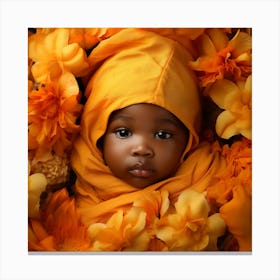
133	66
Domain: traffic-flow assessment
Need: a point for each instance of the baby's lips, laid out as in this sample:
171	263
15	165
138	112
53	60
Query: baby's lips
141	172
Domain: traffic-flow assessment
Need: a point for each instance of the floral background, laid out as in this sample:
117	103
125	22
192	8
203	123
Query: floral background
58	72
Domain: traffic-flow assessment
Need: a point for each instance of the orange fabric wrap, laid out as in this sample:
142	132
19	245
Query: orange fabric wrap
137	66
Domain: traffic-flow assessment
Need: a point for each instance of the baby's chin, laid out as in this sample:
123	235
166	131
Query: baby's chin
141	183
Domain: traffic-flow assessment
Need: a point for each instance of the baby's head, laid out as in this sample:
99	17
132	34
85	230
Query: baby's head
143	144
143	110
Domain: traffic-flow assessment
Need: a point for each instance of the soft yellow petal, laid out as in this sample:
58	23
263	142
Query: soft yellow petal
240	43
139	243
36	185
57	40
224	93
135	220
205	46
218	37
217	228
68	85
247	91
38	51
116	220
41	71
228	125
74	59
192	204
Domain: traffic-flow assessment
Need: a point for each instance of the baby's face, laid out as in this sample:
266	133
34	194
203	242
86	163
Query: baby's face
143	144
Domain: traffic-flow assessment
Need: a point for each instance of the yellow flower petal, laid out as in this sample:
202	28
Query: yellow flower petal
36	185
217	228
235	98
240	43
74	59
218	37
192	204
224	93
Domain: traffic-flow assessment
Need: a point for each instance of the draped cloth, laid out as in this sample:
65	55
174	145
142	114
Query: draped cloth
137	66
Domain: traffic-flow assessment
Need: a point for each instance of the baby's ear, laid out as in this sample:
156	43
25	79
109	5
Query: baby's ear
100	145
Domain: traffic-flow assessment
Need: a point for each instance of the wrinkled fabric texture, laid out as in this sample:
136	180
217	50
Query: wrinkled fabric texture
137	66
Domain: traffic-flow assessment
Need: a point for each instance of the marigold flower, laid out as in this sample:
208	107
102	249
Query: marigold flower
52	55
123	232
238	170
60	228
235	99
221	57
232	193
238	157
53	109
38	237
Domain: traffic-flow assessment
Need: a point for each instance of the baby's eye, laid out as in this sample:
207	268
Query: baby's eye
163	135
123	132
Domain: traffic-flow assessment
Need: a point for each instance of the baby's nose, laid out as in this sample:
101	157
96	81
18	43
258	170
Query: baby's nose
142	149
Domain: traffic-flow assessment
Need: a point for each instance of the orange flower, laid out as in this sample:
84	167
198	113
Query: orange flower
38	237
52	55
60	228
221	57
238	170
52	112
238	157
187	229
235	99
155	204
237	214
233	192
89	37
123	232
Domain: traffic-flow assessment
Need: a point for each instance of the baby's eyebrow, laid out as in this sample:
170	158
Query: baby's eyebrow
167	121
121	117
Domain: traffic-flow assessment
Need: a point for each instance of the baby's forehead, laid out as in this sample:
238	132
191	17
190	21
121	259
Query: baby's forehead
145	111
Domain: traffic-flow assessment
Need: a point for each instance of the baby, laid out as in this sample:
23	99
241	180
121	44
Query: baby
143	144
140	125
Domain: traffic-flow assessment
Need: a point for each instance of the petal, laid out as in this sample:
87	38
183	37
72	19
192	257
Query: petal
57	40
217	228
205	46
74	59
225	125
192	204
218	37
140	243
37	50
38	229
229	124
247	91
135	220
116	220
42	70
224	93
240	43
68	85
238	216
